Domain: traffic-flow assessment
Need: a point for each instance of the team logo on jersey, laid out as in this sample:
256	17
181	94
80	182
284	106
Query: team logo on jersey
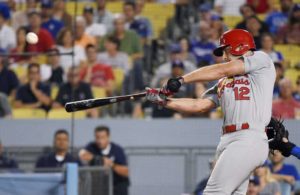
230	82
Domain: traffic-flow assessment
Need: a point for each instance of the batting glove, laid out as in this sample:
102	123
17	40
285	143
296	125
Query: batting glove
156	96
173	85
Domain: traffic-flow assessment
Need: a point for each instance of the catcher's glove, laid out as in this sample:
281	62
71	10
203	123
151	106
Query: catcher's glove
276	132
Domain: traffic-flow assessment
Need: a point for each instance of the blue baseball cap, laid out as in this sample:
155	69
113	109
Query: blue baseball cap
254	180
175	48
4	11
177	64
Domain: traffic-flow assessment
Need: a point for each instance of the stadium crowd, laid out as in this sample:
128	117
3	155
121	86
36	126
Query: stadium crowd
122	53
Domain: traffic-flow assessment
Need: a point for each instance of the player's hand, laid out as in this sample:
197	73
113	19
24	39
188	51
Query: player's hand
173	85
156	96
107	162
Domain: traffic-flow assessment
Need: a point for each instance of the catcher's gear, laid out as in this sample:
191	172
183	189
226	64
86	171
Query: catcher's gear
156	96
239	42
285	148
174	84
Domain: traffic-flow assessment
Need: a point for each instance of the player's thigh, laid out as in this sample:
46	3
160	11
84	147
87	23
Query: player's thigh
242	189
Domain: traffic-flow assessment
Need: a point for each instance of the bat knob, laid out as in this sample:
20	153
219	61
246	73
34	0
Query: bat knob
69	107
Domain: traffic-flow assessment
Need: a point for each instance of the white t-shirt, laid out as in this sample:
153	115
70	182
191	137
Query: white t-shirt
66	60
230	7
121	60
7	37
96	30
247	98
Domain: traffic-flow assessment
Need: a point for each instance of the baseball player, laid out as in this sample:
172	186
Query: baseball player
244	92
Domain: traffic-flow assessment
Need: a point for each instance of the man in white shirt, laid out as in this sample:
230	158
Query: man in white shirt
7	34
104	16
93	29
229	7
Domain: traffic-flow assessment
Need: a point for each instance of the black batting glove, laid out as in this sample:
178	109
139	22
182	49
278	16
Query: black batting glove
286	148
174	84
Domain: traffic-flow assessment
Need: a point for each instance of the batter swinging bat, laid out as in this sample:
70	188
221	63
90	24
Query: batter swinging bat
92	103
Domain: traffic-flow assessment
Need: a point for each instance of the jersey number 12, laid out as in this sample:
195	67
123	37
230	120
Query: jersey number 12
241	93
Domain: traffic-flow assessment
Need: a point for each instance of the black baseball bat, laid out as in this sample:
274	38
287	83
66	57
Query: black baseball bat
97	102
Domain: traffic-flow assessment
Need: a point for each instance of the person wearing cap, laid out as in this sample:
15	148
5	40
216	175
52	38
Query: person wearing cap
228	7
164	70
81	37
7	33
103	16
53	73
253	186
49	23
45	40
289	34
94	29
60	13
254	26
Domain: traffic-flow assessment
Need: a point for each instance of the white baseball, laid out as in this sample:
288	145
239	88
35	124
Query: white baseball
32	38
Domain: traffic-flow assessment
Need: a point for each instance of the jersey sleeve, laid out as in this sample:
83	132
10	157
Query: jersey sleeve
212	94
256	62
120	157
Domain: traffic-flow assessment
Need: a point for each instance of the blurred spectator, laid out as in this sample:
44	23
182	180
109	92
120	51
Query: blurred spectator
104	152
254	26
286	107
281	171
296	93
60	155
129	40
20	18
139	15
278	19
113	56
185	50
21	47
98	75
261	6
137	24
165	70
103	16
228	7
6	162
5	109
48	22
34	94
60	13
267	183
8	79
247	11
56	76
74	90
253	186
267	44
65	45
218	27
81	37
289	34
203	48
45	40
93	29
7	33
279	75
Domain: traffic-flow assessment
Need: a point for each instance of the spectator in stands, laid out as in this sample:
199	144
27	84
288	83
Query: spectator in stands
281	171
6	162
286	107
289	34
279	75
129	40
57	72
185	50
267	183
113	56
203	48
278	19
7	33
49	23
65	45
5	109
165	69
267	44
104	16
253	186
21	47
60	13
104	152
98	75
93	29
296	93
20	18
228	7
60	155
218	27
247	11
33	94
139	15
80	90
261	6
254	26
8	79
81	37
45	40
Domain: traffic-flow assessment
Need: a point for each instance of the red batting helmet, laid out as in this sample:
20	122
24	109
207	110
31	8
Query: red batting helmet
240	41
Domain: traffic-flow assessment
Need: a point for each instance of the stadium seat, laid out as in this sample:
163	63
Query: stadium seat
232	21
20	71
62	114
290	53
119	78
54	91
98	92
292	74
28	113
